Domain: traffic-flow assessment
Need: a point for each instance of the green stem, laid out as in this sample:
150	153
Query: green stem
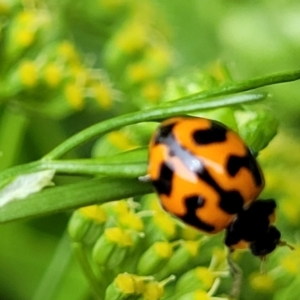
153	114
87	167
92	167
57	269
96	288
240	86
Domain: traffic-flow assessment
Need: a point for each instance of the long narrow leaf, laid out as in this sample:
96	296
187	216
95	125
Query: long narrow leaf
71	196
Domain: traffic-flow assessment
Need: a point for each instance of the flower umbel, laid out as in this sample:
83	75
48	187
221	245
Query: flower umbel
129	257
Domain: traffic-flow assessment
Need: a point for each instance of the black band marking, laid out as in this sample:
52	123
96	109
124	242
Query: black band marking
192	204
230	201
235	163
215	134
163	133
163	184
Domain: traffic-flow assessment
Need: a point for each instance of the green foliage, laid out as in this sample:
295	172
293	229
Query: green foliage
82	87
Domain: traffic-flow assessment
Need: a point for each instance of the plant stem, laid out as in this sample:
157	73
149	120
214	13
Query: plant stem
153	114
57	269
92	167
85	168
240	86
96	288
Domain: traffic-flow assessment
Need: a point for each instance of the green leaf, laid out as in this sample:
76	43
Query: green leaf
62	198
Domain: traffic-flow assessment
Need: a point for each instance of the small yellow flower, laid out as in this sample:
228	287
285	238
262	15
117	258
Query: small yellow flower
138	72
26	26
132	221
153	291
165	223
52	75
125	285
159	56
25	37
28	73
118	236
26	17
125	282
132	38
103	95
192	247
152	91
163	249
151	202
206	276
94	212
189	233
261	282
67	51
201	295
74	95
120	140
291	262
120	207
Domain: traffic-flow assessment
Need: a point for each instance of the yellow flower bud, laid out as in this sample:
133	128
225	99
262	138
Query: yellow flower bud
52	75
153	291
132	221
154	258
261	282
120	140
103	95
28	73
94	212
67	51
74	95
152	91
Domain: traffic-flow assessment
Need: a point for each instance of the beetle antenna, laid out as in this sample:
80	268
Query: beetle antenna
285	244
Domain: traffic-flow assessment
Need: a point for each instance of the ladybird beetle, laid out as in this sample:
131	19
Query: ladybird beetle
203	172
205	175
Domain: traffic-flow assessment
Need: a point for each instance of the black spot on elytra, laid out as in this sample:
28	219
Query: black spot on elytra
163	133
192	203
163	184
195	201
190	161
215	134
235	163
230	201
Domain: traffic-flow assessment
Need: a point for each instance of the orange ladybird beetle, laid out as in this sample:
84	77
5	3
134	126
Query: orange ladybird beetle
205	175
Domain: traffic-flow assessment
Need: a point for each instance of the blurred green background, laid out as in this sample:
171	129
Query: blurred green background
67	64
